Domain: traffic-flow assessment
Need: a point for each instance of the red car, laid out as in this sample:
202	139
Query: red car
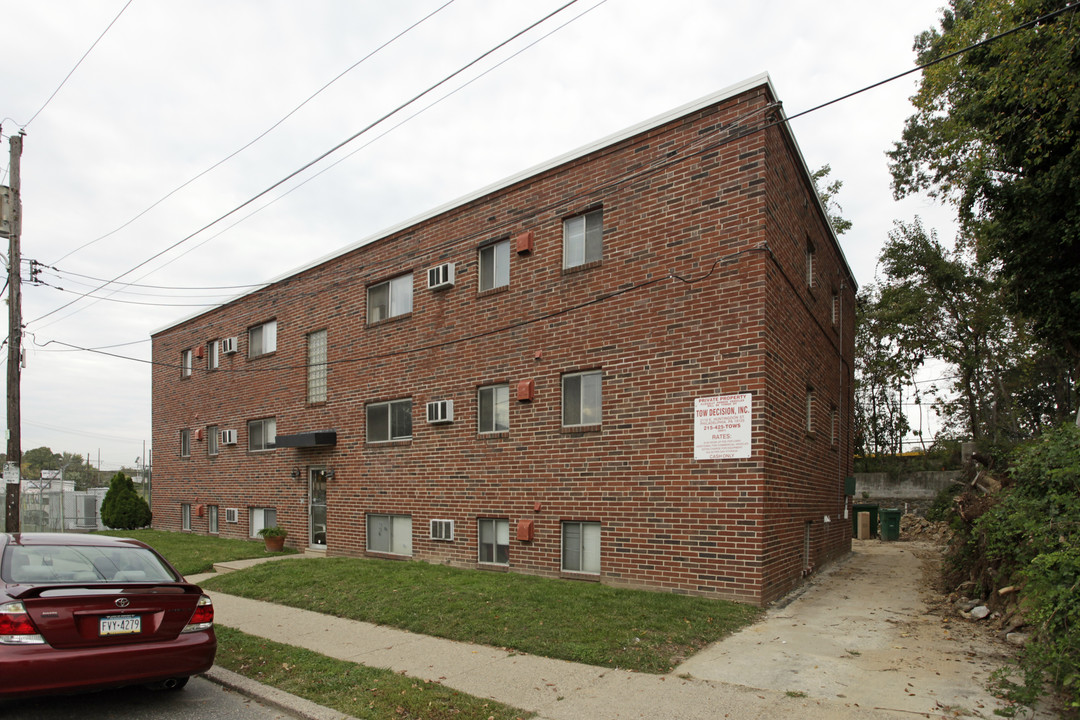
88	612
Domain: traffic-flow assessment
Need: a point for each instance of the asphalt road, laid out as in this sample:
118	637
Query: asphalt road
200	700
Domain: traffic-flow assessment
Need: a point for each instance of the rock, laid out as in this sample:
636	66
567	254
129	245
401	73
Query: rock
980	613
965	605
1017	638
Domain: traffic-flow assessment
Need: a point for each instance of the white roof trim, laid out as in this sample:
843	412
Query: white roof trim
654	122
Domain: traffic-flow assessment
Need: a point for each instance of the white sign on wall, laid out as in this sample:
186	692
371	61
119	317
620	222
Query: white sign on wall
722	427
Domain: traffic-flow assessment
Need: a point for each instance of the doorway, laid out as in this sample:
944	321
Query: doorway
317	505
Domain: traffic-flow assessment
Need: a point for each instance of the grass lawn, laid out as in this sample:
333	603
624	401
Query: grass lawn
580	621
191	554
355	690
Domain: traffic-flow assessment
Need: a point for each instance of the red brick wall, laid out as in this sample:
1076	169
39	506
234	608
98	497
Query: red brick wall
688	199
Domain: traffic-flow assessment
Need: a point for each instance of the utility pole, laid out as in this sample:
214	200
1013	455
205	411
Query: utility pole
12	475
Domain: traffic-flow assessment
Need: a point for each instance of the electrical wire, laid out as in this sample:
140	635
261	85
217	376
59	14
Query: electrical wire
318	159
68	76
671	276
260	136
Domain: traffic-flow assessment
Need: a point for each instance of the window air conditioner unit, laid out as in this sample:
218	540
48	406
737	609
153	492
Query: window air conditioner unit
228	345
440	411
232	515
228	437
440	276
442	529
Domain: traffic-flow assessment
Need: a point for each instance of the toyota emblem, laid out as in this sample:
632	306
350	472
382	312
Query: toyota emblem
122	602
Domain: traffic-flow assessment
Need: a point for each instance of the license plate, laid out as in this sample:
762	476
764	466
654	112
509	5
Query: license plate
121	625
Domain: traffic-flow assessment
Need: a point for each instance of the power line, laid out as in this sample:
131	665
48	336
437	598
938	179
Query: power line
154	287
68	76
317	159
260	136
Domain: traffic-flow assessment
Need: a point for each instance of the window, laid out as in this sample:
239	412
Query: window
390	299
185	443
494	405
809	264
185	516
212	519
835	307
493	539
834	423
581	399
809	410
389	421
582	239
495	265
260	518
212	439
213	355
581	547
316	369
185	363
261	434
389	534
262	339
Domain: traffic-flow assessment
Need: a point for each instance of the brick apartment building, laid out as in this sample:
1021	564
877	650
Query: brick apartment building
632	364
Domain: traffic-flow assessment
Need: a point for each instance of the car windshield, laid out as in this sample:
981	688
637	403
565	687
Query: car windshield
82	564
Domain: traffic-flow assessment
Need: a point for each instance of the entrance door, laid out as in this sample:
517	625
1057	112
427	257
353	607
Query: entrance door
317	493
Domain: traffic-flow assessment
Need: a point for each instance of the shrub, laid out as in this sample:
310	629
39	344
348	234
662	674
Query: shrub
122	508
1031	537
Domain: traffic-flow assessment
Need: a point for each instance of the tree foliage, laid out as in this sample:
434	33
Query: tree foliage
1030	538
996	131
828	191
122	508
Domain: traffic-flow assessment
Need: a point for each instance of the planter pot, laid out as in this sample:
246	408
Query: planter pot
274	544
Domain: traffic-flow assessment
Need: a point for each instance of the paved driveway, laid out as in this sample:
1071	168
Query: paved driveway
861	633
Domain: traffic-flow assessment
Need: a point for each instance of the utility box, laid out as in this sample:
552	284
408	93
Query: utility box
849	485
525	530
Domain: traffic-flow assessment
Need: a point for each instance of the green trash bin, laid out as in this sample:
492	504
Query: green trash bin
873	510
890	524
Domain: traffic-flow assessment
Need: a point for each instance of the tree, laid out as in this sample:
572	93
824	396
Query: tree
828	191
38	459
880	377
122	508
996	131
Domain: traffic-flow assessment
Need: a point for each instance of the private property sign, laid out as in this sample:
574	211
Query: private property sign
722	427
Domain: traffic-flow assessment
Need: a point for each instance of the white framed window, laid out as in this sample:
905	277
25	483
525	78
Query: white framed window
391	298
835	307
262	339
583	239
213	355
493	541
261	434
185	516
389	534
389	421
581	398
185	363
316	367
809	264
581	547
809	426
494	261
212	440
834	424
185	443
259	518
493	402
212	519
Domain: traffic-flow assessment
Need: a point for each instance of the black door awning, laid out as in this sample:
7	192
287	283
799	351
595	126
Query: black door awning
323	438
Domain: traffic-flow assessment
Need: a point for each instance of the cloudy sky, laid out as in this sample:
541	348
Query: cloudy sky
171	89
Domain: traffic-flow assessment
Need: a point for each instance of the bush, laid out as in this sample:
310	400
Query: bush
122	508
1031	537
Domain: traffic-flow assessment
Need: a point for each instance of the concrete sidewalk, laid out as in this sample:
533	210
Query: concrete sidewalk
802	661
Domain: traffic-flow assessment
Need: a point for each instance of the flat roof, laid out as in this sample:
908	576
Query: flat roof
761	79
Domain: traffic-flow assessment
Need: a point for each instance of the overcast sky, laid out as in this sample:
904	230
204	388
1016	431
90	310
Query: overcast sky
174	87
